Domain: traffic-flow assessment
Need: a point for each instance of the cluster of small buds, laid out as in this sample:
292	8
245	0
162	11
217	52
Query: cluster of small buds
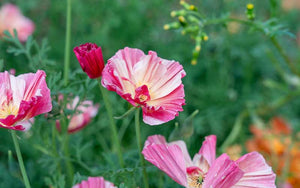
189	20
250	11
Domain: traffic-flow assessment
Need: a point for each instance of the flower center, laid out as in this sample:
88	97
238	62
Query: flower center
8	109
195	177
142	95
143	98
195	181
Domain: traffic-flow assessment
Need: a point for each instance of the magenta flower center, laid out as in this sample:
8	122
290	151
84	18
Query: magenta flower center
142	95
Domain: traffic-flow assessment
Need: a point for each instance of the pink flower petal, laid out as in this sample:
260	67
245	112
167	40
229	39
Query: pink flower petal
95	182
168	158
258	174
223	173
208	149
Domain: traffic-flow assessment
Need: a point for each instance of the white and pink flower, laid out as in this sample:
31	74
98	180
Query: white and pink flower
84	112
95	182
11	18
22	98
147	81
204	171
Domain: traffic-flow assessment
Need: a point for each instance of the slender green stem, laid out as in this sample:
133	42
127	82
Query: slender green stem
20	159
65	147
235	131
139	143
68	42
113	127
126	113
69	166
284	56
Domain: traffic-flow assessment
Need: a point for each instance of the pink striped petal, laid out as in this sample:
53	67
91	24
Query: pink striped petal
95	182
208	149
223	173
258	174
168	158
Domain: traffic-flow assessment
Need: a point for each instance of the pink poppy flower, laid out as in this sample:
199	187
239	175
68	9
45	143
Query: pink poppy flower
95	182
90	59
11	18
147	81
22	98
84	113
204	171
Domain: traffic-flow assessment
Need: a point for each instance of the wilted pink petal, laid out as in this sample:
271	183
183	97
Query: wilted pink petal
223	173
11	18
258	174
90	59
169	159
95	182
147	81
22	98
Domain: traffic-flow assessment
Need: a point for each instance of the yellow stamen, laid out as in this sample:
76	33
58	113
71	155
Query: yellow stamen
143	98
195	181
7	110
205	38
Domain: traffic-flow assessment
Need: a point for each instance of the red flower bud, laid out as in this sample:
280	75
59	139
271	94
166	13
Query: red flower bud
90	58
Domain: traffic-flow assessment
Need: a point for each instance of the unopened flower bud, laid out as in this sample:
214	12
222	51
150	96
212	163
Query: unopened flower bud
192	7
250	12
174	25
181	19
194	62
90	59
250	6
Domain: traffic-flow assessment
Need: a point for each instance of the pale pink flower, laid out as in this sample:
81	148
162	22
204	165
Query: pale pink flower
204	171
11	18
147	81
95	182
85	111
22	98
